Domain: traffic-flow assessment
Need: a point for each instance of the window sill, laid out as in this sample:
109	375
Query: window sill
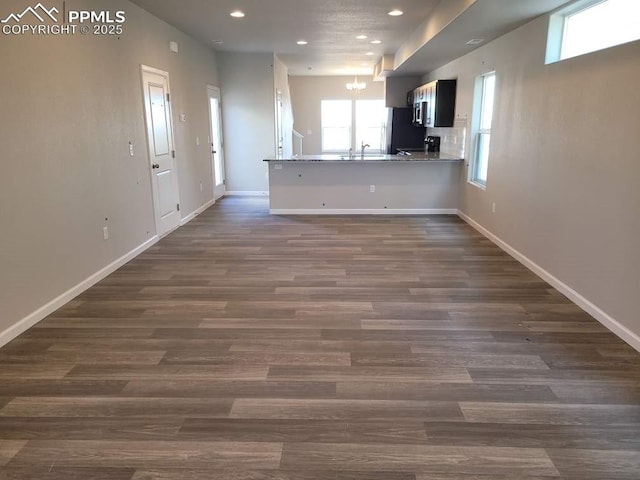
481	186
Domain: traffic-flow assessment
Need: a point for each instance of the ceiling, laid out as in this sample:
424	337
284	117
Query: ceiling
428	35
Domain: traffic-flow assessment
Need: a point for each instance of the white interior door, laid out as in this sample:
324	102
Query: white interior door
216	142
164	175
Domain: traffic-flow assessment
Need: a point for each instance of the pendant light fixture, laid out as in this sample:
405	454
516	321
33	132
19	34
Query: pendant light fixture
356	86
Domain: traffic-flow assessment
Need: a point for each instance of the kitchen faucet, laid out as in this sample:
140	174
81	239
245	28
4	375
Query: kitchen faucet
363	147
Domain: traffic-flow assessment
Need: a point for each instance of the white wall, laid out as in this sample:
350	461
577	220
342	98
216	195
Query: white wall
564	164
308	92
248	116
69	107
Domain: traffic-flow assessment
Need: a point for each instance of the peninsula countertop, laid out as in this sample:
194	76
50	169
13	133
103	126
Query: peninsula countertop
368	158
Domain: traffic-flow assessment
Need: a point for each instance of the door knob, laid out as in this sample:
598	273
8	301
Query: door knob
155	165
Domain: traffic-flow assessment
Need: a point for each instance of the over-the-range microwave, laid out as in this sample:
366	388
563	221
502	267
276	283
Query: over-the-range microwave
420	114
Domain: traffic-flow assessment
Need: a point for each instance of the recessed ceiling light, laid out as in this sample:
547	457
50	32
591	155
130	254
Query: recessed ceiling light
361	37
396	13
302	42
237	14
376	42
475	41
369	54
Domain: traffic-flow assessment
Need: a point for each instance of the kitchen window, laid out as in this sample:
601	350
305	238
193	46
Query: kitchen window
336	125
590	25
371	120
347	124
483	117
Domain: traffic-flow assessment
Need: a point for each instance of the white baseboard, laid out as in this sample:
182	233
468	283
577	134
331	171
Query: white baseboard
603	317
245	194
30	320
363	211
193	215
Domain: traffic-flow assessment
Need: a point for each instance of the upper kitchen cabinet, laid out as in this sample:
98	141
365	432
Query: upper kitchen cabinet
437	100
441	103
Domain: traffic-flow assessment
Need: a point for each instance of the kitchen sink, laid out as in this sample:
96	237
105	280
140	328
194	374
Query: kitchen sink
366	157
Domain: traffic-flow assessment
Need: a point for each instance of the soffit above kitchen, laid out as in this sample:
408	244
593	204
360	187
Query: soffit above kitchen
429	34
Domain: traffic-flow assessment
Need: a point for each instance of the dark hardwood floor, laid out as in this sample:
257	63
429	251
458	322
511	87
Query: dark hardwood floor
246	346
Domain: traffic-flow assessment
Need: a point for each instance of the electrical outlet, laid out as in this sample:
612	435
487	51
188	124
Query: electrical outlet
493	207
201	187
372	189
131	149
105	233
197	141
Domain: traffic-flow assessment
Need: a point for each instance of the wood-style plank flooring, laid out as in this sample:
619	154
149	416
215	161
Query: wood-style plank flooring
246	346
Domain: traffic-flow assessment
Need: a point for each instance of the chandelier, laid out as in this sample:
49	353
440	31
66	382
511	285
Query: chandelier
355	85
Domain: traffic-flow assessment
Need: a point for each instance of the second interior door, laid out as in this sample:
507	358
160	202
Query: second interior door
216	143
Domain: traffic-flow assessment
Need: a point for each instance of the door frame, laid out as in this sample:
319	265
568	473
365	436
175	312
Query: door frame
218	191
144	69
279	106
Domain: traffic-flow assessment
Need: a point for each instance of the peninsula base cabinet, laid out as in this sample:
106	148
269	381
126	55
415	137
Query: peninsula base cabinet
401	186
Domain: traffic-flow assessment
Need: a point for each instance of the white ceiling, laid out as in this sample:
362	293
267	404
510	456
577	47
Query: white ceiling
330	27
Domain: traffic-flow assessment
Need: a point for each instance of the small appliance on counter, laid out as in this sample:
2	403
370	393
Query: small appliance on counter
432	144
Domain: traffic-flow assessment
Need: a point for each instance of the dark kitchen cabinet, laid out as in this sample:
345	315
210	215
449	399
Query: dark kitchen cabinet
410	98
441	103
437	101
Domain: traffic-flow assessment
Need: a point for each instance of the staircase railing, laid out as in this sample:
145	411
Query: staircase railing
298	139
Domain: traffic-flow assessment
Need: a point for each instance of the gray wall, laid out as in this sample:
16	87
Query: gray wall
396	89
564	163
308	92
68	109
248	116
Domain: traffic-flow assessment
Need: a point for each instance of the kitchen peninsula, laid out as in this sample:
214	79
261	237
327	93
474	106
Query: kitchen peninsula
374	184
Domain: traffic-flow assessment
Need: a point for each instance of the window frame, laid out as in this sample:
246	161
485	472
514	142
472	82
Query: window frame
358	128
557	31
322	125
481	131
353	127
